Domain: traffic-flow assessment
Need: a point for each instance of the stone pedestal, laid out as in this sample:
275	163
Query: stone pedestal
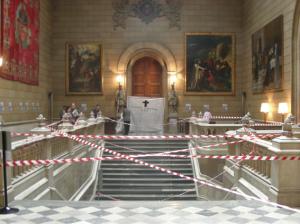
173	121
285	175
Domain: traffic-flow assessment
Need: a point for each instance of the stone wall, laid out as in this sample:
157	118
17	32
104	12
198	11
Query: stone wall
92	22
16	92
256	15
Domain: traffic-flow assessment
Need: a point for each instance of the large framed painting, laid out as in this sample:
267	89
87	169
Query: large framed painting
20	40
83	69
210	64
267	57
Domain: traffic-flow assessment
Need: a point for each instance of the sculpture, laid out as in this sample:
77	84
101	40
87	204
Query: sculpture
288	124
147	11
247	119
172	100
41	119
120	99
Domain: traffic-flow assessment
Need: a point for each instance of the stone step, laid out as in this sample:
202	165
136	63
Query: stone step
129	166
154	151
143	170
148	147
160	191
139	175
153	185
160	180
148	197
152	160
147	142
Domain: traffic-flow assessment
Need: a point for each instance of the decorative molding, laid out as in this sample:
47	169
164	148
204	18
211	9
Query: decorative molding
147	11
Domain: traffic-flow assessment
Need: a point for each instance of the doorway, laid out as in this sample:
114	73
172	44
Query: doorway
147	78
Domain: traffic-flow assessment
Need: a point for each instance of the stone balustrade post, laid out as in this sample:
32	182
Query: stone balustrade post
285	175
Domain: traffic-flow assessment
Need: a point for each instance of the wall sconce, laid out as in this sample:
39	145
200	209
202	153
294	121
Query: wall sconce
1	61
120	80
265	108
173	79
283	109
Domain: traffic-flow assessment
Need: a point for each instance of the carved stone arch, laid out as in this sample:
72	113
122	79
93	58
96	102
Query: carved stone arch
154	49
296	63
146	49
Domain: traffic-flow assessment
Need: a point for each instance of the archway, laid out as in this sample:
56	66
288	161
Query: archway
296	63
146	49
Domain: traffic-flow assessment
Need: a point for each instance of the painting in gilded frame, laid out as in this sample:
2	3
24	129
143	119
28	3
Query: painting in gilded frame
83	69
267	57
210	64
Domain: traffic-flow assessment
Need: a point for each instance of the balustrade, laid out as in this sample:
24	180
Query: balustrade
47	147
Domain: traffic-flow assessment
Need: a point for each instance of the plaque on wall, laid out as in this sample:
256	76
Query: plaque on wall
267	57
83	69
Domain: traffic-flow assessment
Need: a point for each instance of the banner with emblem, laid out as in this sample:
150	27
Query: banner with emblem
20	40
147	115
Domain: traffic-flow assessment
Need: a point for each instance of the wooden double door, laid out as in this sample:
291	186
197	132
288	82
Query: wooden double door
147	78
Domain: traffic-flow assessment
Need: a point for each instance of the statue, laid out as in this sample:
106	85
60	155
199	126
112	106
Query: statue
200	114
41	119
120	100
247	120
287	125
172	100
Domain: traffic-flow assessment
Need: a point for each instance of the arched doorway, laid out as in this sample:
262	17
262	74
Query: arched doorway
147	77
296	63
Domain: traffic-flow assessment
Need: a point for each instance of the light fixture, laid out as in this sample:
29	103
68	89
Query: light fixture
120	79
265	108
173	79
283	109
1	61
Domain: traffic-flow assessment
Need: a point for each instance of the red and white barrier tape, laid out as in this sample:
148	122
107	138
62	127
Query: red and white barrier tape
18	163
150	137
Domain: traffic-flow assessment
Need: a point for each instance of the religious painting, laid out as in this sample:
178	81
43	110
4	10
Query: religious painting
267	57
210	64
20	40
83	69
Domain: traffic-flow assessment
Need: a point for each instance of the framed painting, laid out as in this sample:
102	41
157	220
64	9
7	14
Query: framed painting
83	69
209	64
267	57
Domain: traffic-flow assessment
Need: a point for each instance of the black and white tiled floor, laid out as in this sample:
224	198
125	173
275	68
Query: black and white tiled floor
187	212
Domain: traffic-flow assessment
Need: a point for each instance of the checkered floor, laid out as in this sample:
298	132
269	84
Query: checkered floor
57	212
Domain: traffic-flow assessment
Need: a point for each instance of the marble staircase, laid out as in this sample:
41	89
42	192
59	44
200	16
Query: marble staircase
125	180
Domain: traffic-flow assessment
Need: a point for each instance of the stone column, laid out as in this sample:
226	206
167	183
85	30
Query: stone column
285	175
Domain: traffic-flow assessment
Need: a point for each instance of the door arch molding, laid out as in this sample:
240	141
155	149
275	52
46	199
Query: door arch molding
296	63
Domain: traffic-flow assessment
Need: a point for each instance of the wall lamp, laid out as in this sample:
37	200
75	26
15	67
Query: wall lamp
120	80
283	109
173	78
265	108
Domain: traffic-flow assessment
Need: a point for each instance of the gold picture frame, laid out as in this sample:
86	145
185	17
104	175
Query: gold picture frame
210	64
83	69
268	57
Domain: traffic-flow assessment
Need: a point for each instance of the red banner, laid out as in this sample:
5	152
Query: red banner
20	40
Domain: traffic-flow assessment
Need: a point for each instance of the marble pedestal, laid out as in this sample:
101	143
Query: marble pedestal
173	120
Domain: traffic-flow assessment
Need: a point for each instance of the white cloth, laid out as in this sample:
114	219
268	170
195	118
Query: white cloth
147	114
120	126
